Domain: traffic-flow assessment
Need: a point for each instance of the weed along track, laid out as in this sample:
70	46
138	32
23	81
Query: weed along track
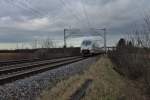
11	73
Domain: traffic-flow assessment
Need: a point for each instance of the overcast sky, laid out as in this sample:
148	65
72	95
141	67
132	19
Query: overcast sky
26	20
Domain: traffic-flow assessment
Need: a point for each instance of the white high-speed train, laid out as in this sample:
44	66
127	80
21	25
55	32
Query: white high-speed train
91	47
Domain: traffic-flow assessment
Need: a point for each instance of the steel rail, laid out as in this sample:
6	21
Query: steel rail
12	68
21	61
35	70
25	61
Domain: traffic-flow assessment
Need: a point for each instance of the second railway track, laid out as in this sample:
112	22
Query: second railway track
21	61
20	71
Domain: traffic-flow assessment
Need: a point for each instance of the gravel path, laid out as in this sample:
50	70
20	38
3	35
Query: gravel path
30	88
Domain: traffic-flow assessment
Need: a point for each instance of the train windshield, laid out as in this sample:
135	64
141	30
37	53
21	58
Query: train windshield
86	43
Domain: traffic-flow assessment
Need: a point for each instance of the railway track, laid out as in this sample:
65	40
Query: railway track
11	62
19	71
14	62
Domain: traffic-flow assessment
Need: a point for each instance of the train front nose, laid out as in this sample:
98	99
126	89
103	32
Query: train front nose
85	51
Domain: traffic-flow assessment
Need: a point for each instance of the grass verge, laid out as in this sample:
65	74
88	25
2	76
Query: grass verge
107	85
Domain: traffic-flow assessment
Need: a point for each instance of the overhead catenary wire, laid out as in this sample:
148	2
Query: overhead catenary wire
43	14
84	10
78	12
30	8
27	6
70	10
24	6
85	13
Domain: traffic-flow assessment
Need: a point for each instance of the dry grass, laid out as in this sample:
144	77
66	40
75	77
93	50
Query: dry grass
14	56
63	90
107	85
5	56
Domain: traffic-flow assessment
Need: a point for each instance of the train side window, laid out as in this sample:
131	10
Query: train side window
86	43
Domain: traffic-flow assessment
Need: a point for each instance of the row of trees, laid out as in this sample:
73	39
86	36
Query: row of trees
47	43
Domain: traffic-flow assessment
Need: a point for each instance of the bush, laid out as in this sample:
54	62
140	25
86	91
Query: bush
131	61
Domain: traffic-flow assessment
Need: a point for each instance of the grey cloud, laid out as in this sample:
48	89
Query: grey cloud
25	16
15	35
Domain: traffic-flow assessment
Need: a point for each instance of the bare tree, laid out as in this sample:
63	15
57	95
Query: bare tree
34	44
141	37
48	43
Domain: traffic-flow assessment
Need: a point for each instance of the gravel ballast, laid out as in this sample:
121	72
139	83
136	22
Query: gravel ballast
31	87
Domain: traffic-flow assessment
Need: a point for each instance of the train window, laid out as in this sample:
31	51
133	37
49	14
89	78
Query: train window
86	43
